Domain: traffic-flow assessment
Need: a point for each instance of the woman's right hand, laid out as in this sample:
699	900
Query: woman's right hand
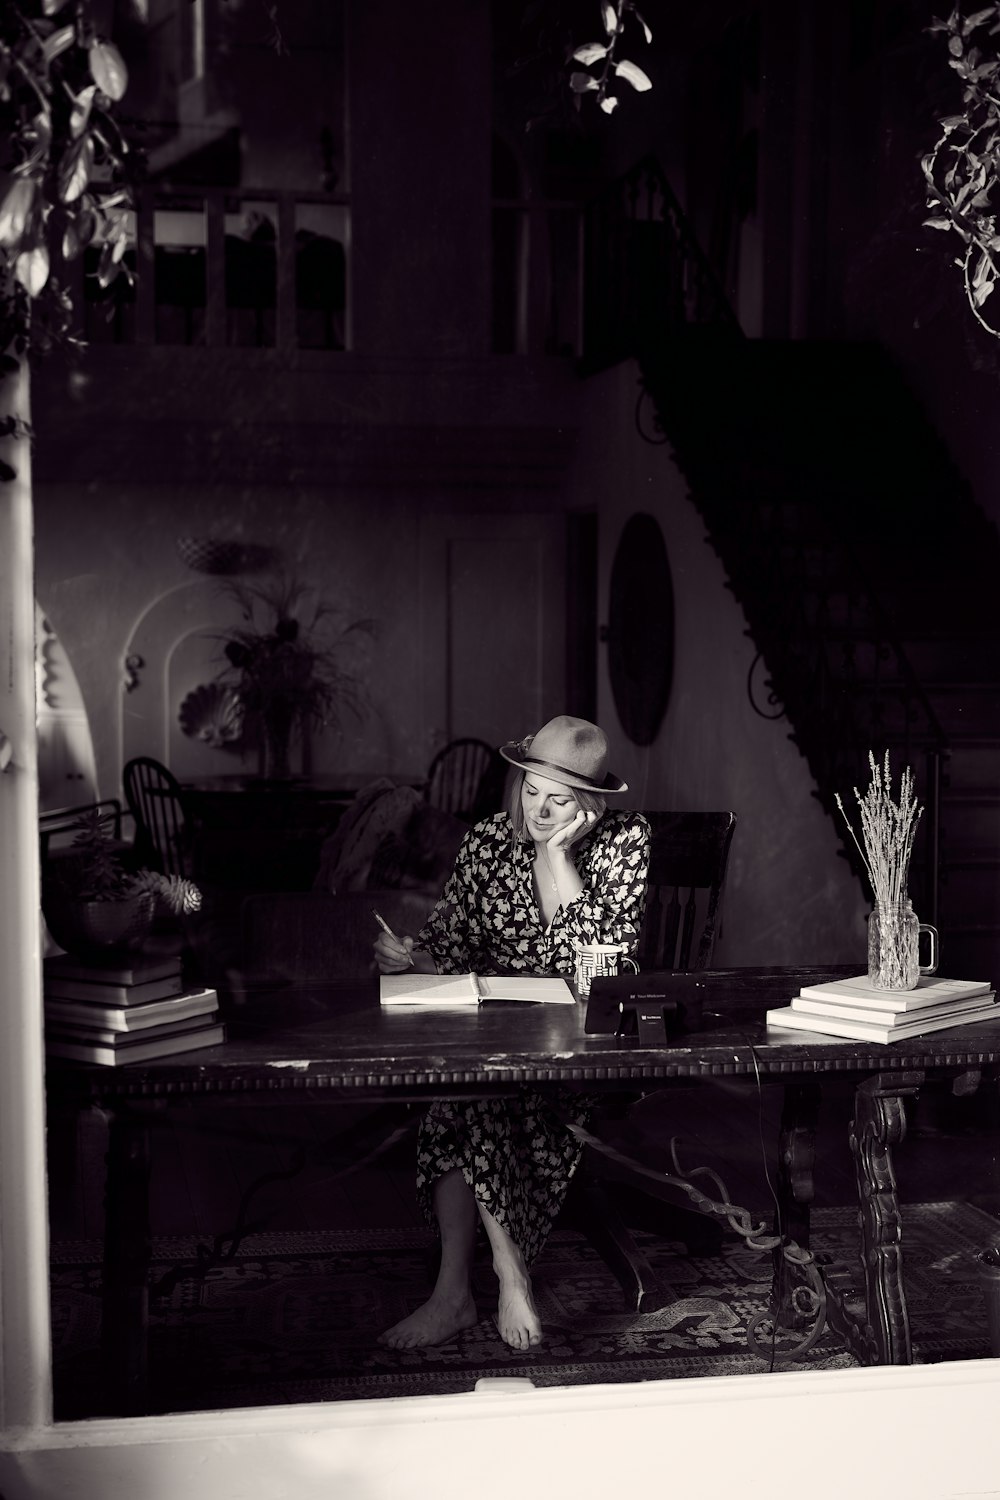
391	955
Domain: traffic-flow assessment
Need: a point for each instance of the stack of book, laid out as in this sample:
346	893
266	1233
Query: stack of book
854	1008
130	1011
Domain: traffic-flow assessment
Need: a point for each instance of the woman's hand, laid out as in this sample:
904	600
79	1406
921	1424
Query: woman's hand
393	955
560	842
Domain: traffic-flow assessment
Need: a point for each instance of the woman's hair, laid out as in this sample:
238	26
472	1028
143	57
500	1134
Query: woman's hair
589	801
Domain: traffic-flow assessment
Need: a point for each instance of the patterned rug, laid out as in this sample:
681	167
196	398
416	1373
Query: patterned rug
292	1316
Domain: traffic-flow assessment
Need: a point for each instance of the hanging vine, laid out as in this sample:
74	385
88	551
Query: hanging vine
605	58
67	170
962	169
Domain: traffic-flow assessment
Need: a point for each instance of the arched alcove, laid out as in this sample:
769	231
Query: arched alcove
174	648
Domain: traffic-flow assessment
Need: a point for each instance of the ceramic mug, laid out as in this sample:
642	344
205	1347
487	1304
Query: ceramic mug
595	960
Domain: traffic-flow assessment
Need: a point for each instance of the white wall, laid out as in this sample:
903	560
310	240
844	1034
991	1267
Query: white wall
790	897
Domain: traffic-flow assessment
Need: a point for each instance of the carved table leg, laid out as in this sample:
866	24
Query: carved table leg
882	1335
125	1287
796	1154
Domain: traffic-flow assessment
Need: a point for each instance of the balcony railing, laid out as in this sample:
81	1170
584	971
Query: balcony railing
224	267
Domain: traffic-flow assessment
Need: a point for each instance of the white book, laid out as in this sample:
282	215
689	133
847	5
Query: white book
138	1050
930	990
855	1011
85	1015
787	1019
471	989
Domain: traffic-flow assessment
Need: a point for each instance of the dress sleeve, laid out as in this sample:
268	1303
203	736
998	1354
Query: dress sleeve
445	934
611	905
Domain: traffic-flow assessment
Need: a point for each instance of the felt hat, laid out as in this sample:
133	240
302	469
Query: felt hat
572	751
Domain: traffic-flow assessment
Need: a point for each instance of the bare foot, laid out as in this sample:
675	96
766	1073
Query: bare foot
435	1322
518	1323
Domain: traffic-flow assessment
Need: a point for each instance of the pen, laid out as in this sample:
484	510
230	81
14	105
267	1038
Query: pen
387	929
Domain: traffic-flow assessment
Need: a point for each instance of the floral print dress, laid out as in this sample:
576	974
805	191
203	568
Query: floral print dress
515	1152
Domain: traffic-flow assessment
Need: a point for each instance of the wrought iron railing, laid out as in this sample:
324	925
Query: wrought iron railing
645	275
832	655
833	658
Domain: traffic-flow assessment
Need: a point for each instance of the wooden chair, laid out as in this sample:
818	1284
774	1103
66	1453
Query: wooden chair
462	777
688	857
689	852
156	802
60	823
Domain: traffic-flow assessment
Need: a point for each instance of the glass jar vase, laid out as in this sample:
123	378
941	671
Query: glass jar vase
894	946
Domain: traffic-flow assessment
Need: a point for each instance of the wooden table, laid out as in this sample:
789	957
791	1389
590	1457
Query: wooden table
335	1044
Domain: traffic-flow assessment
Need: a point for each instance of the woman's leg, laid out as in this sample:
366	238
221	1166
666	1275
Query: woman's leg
450	1306
518	1322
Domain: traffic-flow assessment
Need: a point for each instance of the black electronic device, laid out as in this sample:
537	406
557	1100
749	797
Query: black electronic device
655	1007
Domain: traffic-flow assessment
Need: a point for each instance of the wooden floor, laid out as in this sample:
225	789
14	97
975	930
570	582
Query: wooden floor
204	1160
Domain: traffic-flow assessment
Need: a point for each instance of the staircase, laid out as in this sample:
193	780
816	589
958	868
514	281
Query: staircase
867	576
863	565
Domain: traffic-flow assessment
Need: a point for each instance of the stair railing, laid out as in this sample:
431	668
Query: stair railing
834	651
645	275
647	280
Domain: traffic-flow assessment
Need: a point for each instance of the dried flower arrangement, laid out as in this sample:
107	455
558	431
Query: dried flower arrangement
887	829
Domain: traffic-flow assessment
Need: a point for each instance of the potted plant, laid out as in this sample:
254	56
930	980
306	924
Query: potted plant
287	664
93	901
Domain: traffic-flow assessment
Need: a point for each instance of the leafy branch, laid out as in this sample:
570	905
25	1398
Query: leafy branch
962	169
67	173
604	56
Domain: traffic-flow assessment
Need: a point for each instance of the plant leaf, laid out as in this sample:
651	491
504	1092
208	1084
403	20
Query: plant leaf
590	52
32	269
58	42
976	19
80	230
646	31
75	168
17	211
582	83
52	7
609	103
633	75
609	15
937	223
83	103
107	69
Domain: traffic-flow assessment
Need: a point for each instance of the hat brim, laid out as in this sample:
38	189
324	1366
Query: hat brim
511	753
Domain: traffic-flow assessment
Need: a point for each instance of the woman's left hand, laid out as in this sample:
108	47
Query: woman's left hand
560	842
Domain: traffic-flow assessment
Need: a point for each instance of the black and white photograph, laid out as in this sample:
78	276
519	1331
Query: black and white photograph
499	748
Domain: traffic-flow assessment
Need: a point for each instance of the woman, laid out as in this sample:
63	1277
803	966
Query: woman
557	868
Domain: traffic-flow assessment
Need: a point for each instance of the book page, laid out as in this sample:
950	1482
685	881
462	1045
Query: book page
548	991
398	989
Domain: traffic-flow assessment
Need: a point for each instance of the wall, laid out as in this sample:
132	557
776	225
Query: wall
344	467
790	897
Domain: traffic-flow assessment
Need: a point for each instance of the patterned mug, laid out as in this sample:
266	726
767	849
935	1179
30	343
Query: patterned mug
595	960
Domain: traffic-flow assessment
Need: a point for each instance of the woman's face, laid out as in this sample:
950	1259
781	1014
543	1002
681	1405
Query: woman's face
547	806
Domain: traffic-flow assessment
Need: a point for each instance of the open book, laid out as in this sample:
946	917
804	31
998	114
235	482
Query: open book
470	989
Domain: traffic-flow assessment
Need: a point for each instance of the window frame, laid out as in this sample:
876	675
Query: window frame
922	1428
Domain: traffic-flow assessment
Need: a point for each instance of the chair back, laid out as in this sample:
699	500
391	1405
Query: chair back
462	776
303	937
688	857
156	803
58	826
